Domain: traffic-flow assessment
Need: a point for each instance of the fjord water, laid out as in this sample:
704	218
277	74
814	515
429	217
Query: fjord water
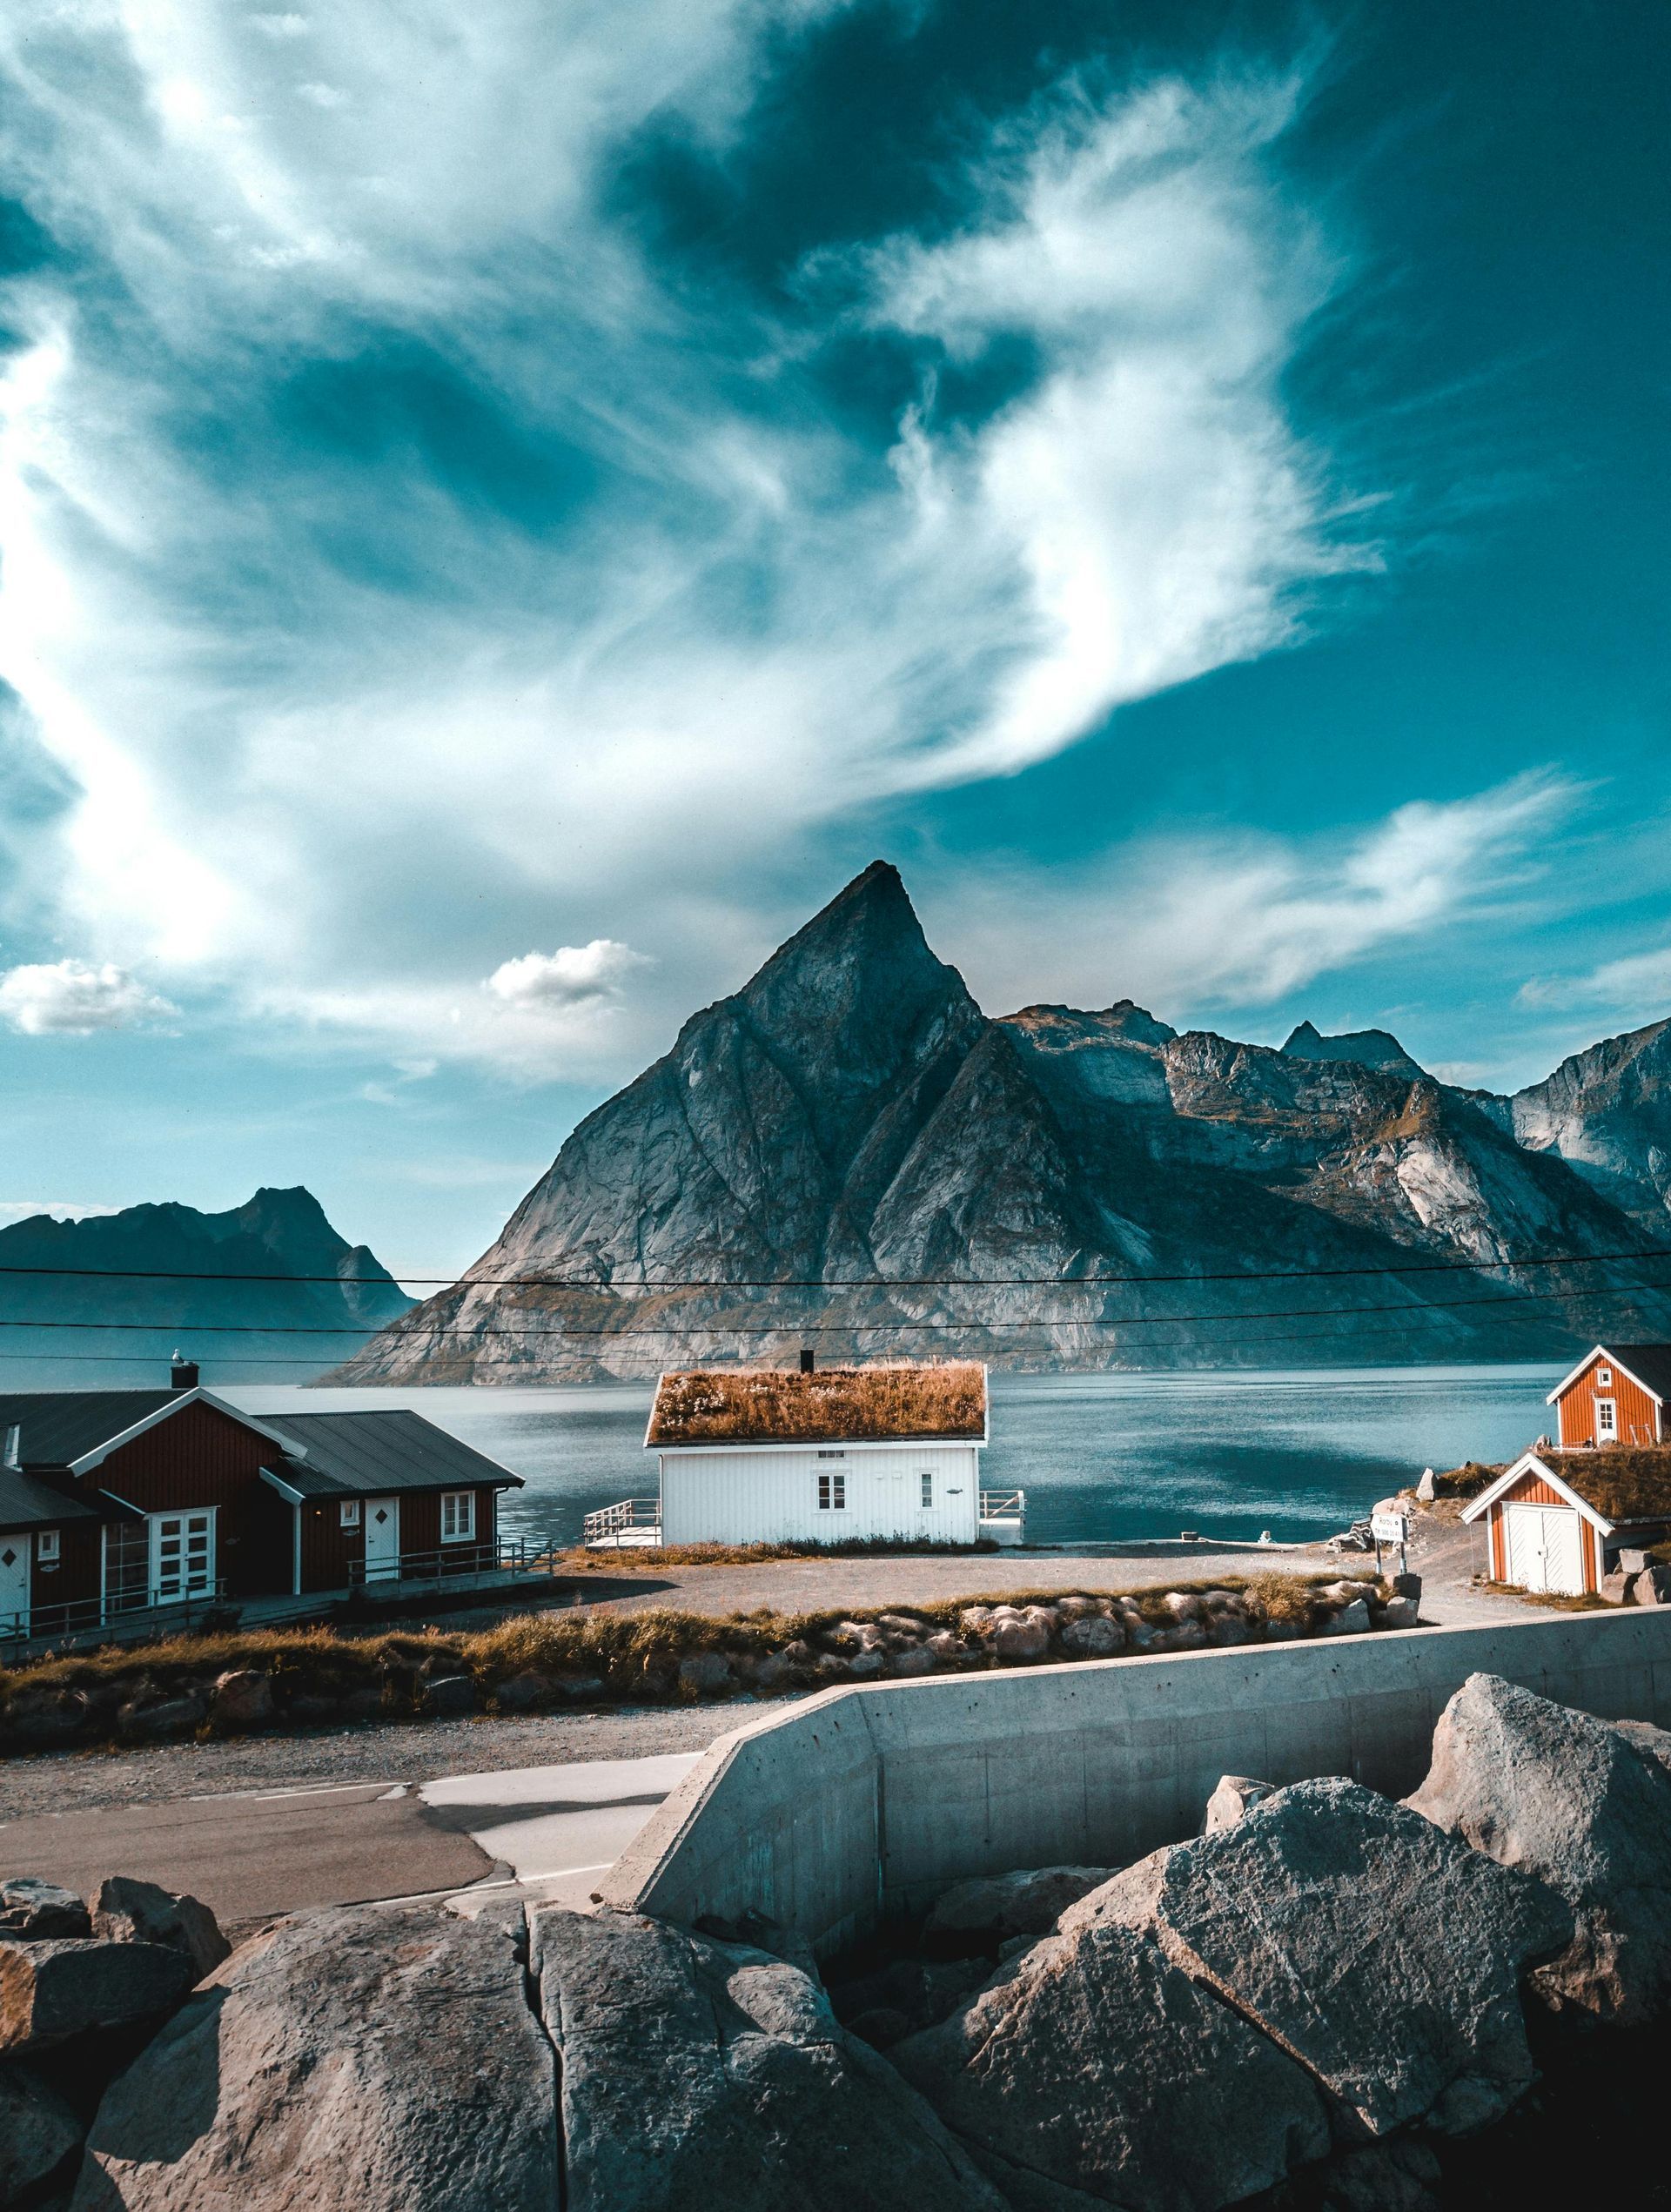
1101	1457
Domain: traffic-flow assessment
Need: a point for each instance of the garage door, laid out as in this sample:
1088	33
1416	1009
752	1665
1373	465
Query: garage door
1543	1548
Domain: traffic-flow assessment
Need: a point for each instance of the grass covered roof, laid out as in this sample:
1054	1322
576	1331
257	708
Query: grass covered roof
833	1406
1623	1482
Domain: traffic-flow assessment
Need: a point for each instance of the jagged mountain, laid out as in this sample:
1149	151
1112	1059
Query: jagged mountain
173	1280
1607	1112
849	1152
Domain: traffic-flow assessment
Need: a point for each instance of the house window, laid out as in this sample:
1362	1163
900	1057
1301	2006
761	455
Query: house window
458	1516
1606	1420
1603	1377
832	1455
348	1513
832	1494
46	1548
927	1480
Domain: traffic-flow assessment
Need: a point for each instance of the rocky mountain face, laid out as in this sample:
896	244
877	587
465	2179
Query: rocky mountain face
848	1153
222	1288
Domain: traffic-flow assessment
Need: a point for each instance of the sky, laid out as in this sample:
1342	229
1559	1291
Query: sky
501	519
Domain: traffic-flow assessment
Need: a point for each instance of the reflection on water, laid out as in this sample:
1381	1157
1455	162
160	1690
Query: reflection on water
1101	1457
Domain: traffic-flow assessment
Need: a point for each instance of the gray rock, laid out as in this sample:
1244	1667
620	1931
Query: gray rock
1093	1636
148	1717
919	1660
1632	1560
697	2074
1023	1637
31	1907
127	1911
1183	1636
993	1907
1399	1613
526	1692
1351	1620
1384	1955
1614	1589
1093	2065
241	1699
1225	1628
1428	1488
1581	1803
1399	2175
53	1990
865	1663
447	1697
375	2059
947	1647
704	1674
1235	1795
39	2132
1652	1587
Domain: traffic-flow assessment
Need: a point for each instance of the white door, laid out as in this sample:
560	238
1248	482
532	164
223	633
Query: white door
382	1538
182	1557
14	1585
1543	1549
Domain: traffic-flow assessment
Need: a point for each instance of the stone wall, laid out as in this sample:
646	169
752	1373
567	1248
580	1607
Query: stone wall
869	1800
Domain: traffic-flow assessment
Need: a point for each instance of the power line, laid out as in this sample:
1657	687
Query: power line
847	1282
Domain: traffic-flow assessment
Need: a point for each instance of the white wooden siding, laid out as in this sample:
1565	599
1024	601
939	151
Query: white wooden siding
771	1496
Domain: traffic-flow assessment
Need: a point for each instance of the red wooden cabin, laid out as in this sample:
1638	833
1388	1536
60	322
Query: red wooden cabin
1615	1395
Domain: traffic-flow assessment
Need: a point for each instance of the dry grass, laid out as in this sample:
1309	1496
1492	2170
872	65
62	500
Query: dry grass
1555	1601
625	1657
835	1405
1626	1483
579	1559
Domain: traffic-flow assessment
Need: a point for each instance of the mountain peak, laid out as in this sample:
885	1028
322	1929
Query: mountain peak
1376	1048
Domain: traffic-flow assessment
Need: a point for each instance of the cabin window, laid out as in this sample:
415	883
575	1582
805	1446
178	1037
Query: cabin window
1607	1418
46	1548
832	1455
927	1481
1603	1377
832	1494
458	1516
348	1513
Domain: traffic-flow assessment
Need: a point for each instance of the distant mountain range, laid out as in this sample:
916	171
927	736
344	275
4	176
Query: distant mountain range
852	1133
237	1330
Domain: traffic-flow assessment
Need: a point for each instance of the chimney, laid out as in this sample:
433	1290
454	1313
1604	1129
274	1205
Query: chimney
13	1455
809	1360
182	1373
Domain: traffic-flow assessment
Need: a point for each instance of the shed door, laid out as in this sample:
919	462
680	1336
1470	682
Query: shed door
182	1557
382	1537
14	1585
1543	1548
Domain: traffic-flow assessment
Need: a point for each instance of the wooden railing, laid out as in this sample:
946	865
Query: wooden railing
633	1521
1003	1504
113	1619
465	1566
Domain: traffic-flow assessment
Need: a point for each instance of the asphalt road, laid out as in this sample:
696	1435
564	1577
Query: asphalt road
251	1855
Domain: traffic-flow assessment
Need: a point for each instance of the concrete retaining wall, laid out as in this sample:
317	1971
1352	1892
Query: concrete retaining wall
865	1801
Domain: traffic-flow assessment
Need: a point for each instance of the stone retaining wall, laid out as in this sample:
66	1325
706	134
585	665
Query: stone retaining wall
866	1801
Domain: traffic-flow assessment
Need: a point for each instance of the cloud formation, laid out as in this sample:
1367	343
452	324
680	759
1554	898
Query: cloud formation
71	998
573	976
1639	983
398	560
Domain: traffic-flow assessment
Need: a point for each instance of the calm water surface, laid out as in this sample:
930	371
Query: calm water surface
1101	1457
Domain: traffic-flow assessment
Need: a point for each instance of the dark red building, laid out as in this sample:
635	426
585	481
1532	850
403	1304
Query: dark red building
115	1501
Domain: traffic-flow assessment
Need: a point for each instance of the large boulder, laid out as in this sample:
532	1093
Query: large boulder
126	1910
53	1991
1385	1956
33	1908
990	1908
1584	1805
376	2059
39	2133
696	2074
1092	2070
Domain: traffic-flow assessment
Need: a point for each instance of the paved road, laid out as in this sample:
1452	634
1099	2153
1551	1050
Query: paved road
251	1855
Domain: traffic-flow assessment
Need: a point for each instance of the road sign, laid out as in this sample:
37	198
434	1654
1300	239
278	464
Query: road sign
1388	1528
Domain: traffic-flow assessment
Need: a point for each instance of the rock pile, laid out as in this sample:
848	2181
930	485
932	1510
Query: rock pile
81	1988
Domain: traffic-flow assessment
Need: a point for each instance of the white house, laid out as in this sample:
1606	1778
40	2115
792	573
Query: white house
768	1455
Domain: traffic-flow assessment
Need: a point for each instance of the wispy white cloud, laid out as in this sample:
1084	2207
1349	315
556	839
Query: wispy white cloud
340	720
72	998
1188	926
1636	984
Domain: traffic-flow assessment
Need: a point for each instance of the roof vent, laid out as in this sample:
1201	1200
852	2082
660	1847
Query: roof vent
809	1360
182	1373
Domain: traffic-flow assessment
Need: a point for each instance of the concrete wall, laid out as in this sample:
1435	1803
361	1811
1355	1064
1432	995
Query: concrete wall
865	1801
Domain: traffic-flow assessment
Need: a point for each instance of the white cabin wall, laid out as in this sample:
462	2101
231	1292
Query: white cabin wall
771	1496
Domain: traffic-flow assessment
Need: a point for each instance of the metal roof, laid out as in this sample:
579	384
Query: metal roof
371	1454
62	1426
27	1502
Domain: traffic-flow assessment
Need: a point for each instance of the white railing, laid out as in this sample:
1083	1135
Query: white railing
1003	1504
634	1520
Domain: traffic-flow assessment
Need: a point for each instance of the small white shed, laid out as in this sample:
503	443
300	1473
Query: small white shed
768	1455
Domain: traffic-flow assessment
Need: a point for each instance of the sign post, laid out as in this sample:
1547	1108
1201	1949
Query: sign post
1391	1528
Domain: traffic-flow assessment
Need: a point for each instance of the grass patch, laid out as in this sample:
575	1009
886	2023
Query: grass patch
1555	1601
717	1405
577	1560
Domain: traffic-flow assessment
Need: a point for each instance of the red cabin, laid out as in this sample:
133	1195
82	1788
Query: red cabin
114	1503
1615	1395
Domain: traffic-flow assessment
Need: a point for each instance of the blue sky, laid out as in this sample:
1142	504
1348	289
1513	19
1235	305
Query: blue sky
499	519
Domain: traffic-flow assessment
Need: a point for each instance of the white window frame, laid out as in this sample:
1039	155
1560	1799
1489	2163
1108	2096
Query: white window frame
926	1482
832	1494
461	1506
1606	1420
1604	1378
48	1551
181	1525
348	1513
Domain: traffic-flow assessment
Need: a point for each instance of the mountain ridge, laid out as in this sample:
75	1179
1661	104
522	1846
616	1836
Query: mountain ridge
850	1120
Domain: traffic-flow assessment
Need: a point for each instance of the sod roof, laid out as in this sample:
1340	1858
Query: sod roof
834	1405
